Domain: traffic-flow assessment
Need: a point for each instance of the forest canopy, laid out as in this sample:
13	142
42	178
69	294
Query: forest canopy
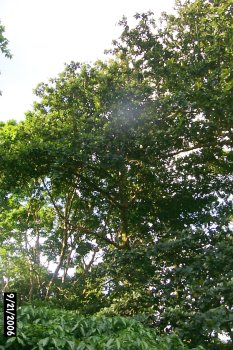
120	177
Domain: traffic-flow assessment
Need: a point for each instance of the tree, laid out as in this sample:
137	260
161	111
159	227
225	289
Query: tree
188	62
123	171
4	43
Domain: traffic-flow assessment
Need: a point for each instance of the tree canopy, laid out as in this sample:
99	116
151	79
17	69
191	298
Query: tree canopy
121	177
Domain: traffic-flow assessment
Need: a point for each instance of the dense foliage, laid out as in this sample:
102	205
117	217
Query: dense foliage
45	329
121	176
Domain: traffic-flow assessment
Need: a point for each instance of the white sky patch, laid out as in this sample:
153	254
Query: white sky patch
46	34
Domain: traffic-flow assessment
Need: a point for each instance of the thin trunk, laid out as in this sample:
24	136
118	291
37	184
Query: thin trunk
66	268
61	260
124	234
88	266
63	253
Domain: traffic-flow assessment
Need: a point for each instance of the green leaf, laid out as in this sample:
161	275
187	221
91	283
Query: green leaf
71	344
81	346
44	342
109	343
118	344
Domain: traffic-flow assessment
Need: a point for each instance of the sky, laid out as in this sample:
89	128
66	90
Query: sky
45	34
